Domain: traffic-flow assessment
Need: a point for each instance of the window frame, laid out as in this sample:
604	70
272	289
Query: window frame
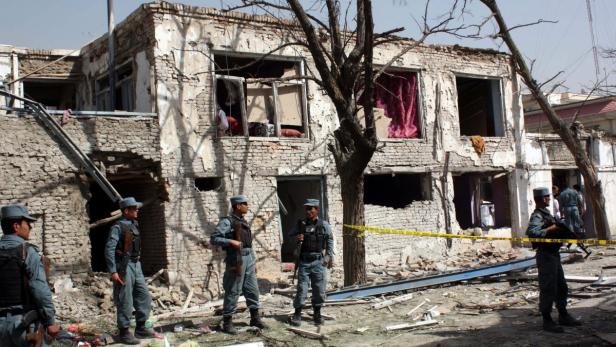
420	103
125	89
302	82
501	103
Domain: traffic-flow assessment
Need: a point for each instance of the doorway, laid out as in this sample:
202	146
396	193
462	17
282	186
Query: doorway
292	192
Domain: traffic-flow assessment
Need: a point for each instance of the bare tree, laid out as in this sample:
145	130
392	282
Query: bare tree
569	133
343	60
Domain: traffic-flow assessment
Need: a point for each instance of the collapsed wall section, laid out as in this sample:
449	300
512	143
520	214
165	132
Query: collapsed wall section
37	171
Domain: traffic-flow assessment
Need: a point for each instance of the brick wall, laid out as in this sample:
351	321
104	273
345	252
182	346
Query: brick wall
35	170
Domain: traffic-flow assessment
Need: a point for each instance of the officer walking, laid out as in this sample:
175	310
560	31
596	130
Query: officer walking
19	261
234	235
122	253
552	284
315	253
570	203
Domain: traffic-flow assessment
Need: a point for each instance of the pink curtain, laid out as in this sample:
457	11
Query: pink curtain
396	93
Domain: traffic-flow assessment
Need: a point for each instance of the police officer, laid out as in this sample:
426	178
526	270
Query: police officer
315	253
234	235
570	203
552	284
130	291
20	260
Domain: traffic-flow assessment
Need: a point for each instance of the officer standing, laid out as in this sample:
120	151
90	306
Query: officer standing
130	291
234	235
552	284
570	203
18	296
315	253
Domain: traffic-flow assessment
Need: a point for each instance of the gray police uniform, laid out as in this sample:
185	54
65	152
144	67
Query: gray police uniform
134	292
12	305
312	269
552	284
570	201
245	280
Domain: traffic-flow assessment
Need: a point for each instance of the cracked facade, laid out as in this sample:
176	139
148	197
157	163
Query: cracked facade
185	167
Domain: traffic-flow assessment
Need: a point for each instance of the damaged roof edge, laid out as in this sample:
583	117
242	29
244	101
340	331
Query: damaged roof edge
8	49
244	18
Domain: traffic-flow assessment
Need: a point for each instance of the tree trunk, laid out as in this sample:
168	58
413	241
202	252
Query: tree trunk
571	140
354	250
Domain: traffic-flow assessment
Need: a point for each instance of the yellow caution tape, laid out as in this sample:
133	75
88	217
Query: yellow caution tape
492	238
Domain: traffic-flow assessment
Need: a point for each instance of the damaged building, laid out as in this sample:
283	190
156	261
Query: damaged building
200	115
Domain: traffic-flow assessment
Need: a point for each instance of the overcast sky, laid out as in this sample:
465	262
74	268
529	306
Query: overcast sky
565	45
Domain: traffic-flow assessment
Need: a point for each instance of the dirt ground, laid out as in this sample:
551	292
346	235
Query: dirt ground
492	311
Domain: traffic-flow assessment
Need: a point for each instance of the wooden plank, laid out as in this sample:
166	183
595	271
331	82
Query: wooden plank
403	326
309	334
396	300
188	298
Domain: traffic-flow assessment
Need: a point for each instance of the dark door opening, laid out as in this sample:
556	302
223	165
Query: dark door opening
571	178
292	192
482	200
151	222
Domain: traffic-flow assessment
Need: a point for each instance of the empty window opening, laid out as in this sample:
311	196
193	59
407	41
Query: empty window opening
248	105
151	221
482	200
54	94
396	111
292	193
479	107
208	183
397	191
124	90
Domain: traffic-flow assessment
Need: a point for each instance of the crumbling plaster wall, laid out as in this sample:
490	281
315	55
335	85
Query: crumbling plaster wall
134	39
545	152
185	40
35	170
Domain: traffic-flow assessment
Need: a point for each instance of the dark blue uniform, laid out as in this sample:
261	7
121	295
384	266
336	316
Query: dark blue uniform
244	280
11	333
134	293
552	285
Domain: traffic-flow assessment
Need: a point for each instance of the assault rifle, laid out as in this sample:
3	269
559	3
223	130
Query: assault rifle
34	336
237	235
124	257
298	249
566	233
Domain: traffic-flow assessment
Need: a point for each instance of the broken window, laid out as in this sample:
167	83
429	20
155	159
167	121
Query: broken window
124	90
397	191
482	200
480	107
54	94
208	183
260	97
396	108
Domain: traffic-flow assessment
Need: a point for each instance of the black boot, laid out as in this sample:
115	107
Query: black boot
127	338
227	325
255	320
550	326
296	320
318	320
564	318
141	332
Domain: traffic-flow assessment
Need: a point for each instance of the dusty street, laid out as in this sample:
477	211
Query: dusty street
498	310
